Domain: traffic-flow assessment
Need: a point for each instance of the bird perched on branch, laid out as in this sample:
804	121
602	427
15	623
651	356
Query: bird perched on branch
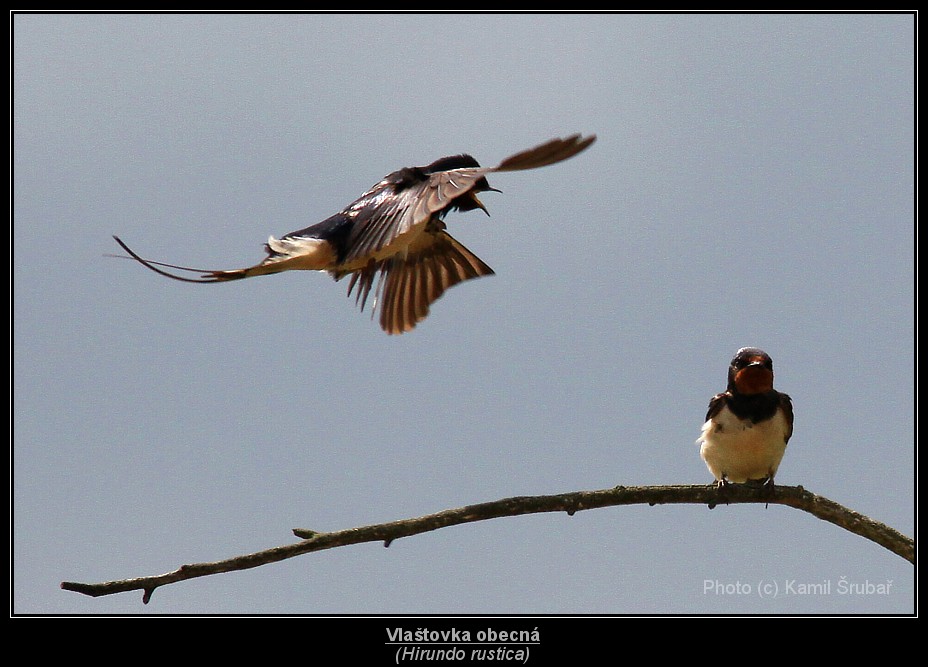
394	231
747	426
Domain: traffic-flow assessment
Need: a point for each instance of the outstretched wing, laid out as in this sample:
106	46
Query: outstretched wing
410	284
388	214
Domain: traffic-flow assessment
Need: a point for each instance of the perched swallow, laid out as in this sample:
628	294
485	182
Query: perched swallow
748	426
394	231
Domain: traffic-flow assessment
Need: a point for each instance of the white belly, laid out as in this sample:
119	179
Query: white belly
740	450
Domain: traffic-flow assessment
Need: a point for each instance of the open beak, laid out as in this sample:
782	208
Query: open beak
480	203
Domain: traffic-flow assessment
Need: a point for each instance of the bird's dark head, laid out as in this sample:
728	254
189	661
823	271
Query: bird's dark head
750	372
462	161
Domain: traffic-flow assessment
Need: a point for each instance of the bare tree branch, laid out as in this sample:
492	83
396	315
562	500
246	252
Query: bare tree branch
793	496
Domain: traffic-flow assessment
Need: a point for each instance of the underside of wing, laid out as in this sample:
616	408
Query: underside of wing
413	283
409	285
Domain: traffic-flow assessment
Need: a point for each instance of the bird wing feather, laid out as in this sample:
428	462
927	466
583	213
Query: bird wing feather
378	225
414	282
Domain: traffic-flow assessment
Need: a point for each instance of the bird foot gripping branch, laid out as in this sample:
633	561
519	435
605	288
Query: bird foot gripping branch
395	232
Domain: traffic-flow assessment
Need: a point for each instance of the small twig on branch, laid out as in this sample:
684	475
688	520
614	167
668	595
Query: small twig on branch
793	496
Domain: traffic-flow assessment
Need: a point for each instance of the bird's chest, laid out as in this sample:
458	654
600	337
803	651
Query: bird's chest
739	449
727	426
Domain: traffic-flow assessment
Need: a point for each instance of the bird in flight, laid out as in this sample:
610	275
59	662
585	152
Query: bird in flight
395	234
747	426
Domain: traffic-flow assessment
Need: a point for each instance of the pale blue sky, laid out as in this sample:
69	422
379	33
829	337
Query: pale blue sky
752	185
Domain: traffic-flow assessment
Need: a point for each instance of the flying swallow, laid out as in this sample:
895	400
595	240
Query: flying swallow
395	232
747	426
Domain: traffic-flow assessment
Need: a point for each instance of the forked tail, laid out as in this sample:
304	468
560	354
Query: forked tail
206	275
